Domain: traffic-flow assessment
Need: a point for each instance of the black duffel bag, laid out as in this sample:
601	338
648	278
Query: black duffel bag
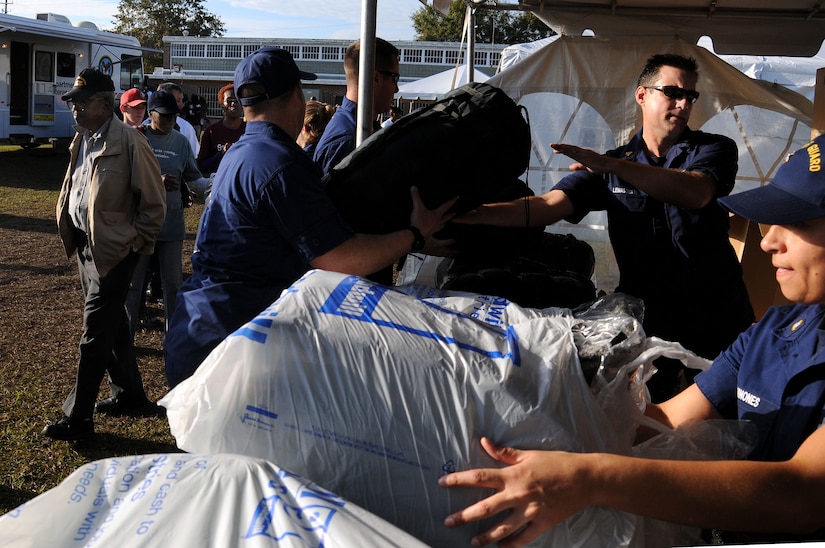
474	143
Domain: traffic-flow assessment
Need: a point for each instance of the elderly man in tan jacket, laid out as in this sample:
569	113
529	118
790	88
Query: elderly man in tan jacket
111	207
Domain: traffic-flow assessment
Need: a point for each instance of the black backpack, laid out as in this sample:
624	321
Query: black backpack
474	143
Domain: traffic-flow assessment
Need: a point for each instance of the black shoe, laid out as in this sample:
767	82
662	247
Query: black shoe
117	406
70	429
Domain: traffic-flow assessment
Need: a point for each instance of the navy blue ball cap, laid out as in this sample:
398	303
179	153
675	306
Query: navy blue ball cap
87	83
163	102
796	194
271	67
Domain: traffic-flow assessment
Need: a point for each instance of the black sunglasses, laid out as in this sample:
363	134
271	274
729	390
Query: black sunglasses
676	93
394	75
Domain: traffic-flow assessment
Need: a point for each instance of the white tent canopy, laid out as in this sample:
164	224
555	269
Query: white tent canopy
795	73
519	52
436	86
755	27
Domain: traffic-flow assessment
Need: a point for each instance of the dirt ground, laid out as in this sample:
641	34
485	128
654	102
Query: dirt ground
40	326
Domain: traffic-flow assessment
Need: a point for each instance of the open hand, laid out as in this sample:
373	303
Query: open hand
538	490
584	157
430	221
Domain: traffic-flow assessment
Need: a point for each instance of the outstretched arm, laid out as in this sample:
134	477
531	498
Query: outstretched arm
687	189
541	210
542	488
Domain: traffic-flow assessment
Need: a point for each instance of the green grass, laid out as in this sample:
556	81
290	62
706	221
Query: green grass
40	326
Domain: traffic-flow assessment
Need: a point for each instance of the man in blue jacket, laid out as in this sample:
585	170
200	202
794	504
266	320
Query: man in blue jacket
338	139
269	220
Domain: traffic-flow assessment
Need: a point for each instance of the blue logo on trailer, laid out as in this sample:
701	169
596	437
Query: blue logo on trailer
106	66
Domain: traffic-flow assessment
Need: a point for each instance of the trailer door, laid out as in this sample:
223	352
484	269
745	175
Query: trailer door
53	75
44	87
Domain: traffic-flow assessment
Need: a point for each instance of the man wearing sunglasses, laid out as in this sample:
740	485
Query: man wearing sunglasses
338	139
669	235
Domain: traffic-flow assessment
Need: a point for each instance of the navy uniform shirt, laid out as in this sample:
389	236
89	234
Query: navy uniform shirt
774	376
268	218
338	138
678	261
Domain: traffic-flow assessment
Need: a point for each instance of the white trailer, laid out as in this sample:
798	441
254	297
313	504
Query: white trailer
39	59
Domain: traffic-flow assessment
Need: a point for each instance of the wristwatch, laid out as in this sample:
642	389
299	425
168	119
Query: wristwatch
418	239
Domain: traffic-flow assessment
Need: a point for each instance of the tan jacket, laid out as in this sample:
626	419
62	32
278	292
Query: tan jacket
127	199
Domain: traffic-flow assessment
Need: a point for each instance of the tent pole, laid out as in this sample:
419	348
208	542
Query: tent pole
366	70
471	43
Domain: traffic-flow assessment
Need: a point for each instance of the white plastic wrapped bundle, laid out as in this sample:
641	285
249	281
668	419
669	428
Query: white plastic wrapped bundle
192	500
373	394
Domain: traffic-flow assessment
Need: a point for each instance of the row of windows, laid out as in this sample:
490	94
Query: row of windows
331	53
212	51
447	57
49	65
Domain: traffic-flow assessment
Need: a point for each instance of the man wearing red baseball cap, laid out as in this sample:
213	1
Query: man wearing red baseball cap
133	107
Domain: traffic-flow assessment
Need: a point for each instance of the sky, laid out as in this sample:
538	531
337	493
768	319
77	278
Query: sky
339	19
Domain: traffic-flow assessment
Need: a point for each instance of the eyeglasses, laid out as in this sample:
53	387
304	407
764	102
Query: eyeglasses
81	105
394	75
676	93
231	102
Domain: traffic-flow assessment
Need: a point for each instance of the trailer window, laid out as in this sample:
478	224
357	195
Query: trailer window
131	72
43	66
66	65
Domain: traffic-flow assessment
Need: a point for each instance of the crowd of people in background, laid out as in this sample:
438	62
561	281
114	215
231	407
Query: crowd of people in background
189	148
209	140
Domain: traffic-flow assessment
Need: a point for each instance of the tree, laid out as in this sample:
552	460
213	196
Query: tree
492	26
150	20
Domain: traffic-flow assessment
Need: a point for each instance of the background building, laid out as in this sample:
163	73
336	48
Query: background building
202	65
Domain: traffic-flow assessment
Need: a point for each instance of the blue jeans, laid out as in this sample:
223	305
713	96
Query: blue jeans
170	262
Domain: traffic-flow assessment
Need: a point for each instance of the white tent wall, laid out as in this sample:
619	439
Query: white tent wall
579	90
518	52
795	73
436	86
